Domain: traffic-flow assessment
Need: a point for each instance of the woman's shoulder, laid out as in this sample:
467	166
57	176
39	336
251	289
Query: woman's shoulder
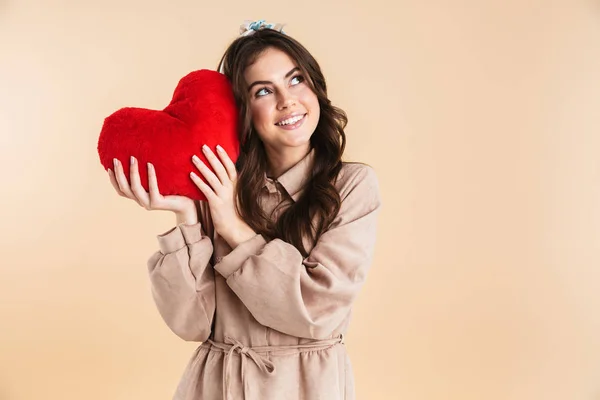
353	173
357	176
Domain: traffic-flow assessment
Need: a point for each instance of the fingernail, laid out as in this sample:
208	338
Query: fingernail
115	161
205	148
132	160
220	148
195	158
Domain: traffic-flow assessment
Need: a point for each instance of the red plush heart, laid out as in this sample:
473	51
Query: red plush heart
202	111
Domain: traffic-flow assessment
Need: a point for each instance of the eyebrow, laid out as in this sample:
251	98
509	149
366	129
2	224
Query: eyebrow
269	82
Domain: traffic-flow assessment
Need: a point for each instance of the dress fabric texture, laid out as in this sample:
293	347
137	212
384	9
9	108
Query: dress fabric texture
270	321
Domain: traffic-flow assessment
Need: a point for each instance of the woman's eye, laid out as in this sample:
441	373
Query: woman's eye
298	78
262	92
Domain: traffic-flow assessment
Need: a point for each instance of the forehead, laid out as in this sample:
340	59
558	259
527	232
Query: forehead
271	65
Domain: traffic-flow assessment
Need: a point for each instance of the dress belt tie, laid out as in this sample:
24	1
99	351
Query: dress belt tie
258	354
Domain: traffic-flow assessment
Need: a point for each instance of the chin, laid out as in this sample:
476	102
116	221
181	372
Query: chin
298	141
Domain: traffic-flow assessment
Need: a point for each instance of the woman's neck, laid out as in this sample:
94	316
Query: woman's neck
279	162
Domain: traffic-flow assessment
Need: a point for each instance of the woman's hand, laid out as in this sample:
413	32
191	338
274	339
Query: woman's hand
220	193
182	206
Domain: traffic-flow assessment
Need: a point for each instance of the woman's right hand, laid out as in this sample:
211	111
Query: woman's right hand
182	206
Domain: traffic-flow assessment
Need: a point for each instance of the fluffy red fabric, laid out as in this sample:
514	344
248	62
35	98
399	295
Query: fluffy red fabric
202	111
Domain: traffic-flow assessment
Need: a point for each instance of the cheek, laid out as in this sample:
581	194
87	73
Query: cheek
310	99
261	113
313	103
258	115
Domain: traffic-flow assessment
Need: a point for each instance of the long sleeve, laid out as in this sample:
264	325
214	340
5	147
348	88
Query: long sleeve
182	281
310	297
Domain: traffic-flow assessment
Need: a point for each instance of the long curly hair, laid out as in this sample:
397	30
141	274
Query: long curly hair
319	203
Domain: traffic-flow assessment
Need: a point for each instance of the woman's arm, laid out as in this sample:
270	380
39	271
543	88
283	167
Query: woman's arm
182	279
310	297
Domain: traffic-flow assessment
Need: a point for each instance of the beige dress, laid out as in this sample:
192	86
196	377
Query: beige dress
271	322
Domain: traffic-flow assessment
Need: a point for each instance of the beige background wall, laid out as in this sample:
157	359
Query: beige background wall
482	119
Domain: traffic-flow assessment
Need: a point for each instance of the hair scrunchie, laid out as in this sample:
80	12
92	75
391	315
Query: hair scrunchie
249	27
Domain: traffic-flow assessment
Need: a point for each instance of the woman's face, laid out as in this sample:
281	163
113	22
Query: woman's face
285	111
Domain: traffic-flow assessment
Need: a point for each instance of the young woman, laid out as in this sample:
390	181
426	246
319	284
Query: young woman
266	271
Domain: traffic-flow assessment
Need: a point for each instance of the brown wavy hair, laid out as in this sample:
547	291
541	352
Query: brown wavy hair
319	203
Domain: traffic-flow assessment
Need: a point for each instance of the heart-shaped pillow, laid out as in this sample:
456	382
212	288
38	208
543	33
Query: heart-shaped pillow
202	111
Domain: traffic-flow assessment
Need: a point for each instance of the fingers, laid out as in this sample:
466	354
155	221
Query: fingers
206	189
122	180
113	181
217	166
227	163
151	200
209	175
136	184
154	192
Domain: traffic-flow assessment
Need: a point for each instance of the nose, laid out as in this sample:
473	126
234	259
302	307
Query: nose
285	100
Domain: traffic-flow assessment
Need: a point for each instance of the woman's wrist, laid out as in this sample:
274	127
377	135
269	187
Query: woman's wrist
188	217
240	235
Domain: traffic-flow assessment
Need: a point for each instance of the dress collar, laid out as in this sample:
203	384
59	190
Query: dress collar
294	179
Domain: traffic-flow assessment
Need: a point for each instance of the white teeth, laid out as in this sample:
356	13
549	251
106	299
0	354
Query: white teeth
290	121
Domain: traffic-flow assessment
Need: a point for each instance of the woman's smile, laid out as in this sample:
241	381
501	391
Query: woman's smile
292	123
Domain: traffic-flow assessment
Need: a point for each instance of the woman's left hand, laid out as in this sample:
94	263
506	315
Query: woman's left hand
220	192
